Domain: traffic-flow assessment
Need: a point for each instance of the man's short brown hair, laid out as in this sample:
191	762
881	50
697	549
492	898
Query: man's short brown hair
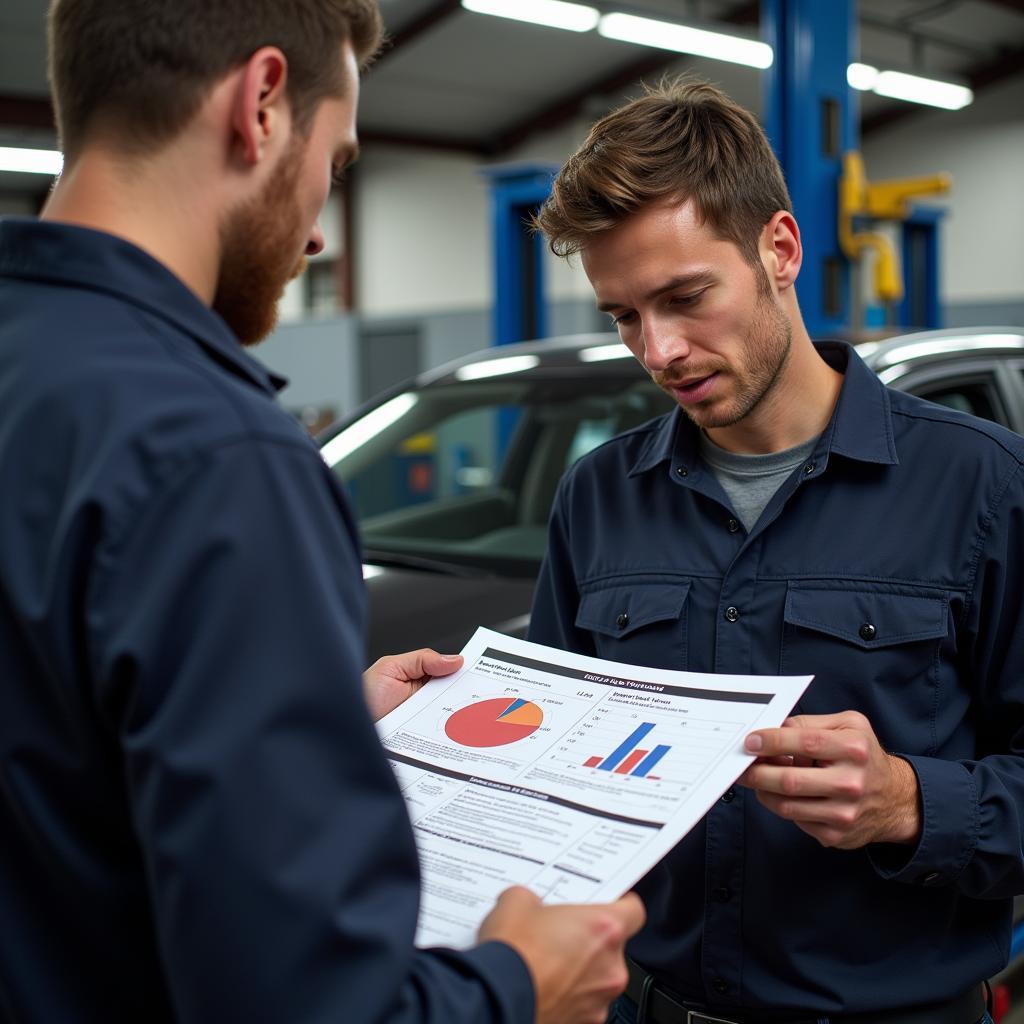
138	70
681	140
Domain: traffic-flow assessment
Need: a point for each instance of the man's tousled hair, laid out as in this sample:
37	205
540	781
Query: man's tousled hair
681	140
137	71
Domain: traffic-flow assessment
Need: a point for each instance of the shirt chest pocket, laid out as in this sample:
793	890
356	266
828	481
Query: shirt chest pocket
638	623
873	651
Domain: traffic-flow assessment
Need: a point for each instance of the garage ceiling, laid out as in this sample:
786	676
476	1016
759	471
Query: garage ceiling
458	80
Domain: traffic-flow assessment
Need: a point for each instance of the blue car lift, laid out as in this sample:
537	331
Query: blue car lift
810	120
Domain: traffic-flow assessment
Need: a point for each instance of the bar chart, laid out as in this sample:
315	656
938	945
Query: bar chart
629	758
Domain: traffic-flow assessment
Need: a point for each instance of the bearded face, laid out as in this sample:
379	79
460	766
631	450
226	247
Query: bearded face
753	371
262	243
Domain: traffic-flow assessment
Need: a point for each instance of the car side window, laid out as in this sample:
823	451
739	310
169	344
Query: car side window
978	397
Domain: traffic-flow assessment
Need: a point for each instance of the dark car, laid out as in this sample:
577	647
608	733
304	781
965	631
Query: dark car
452	475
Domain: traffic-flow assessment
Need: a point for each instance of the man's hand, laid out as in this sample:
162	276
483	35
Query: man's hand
829	775
575	954
393	679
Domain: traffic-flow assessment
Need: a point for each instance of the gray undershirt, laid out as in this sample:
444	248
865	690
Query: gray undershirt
752	480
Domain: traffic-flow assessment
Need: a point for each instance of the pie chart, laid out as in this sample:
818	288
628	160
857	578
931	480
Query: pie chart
494	722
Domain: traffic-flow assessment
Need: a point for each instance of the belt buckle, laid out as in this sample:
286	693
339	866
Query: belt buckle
693	1017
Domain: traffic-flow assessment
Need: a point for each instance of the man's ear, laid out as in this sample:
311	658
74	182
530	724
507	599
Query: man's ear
260	109
781	251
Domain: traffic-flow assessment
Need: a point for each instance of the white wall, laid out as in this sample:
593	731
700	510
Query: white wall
982	146
422	228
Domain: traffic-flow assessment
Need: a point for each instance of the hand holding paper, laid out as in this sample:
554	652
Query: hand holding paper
566	774
829	775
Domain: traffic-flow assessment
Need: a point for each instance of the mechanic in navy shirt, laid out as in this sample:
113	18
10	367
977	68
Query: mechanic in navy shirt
793	516
197	822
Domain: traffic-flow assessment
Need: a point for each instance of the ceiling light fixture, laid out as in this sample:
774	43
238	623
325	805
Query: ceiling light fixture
929	91
861	76
31	161
912	88
668	36
552	13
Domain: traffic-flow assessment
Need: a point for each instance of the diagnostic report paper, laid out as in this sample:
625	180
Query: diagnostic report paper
567	774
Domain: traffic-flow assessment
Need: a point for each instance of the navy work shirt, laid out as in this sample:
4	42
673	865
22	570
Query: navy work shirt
889	565
197	822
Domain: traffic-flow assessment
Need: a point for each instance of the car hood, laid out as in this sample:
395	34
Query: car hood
411	608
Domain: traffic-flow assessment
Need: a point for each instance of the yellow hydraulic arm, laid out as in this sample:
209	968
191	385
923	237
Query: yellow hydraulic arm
882	200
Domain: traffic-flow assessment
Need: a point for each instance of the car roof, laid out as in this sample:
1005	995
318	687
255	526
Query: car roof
923	347
605	348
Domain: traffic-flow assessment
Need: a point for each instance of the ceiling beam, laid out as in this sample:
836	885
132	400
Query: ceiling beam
421	141
26	112
979	78
565	108
1010	5
431	17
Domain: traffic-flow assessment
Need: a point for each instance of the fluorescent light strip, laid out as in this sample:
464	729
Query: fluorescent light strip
551	13
496	367
352	437
603	352
911	88
914	89
668	36
861	76
31	161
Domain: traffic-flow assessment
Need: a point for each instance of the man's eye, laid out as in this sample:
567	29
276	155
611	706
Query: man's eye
338	176
622	318
687	300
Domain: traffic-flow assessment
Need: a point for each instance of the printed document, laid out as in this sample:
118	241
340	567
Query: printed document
567	774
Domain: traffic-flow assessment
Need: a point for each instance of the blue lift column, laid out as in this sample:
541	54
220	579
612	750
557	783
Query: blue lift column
520	305
810	119
520	301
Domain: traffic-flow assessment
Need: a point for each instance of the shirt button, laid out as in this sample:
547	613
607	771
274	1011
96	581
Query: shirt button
720	985
732	613
733	526
722	895
809	469
867	631
728	796
682	470
622	621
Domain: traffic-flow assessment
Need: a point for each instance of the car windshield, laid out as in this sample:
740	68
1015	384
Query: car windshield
464	473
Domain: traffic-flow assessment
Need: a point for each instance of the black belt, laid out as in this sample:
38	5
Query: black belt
663	1008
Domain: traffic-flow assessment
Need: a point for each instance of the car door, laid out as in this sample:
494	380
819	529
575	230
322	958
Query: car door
990	388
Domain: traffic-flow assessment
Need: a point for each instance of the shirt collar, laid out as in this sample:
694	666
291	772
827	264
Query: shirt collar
860	428
71	255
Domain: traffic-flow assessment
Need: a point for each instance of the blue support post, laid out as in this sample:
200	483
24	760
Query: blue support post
920	254
810	118
520	306
520	302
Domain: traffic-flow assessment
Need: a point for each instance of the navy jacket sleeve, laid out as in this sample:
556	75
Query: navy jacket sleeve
225	632
973	808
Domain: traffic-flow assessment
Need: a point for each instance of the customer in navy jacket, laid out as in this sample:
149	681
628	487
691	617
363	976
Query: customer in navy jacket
196	820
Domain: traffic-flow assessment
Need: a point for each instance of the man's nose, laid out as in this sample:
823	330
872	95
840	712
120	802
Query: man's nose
316	241
663	343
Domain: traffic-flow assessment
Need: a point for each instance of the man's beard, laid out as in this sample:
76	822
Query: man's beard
765	352
261	245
